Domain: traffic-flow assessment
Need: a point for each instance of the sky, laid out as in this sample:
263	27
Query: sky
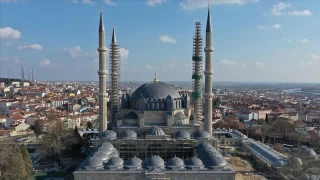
253	40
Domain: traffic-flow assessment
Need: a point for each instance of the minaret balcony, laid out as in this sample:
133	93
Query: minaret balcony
196	94
196	58
197	76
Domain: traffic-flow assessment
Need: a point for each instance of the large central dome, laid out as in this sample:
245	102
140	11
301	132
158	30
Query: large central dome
155	90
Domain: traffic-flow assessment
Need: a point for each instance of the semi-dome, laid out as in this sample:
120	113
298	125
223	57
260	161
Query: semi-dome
133	163
180	116
129	134
155	90
175	162
114	162
156	131
201	135
154	161
216	161
182	134
101	155
194	162
95	161
109	134
204	144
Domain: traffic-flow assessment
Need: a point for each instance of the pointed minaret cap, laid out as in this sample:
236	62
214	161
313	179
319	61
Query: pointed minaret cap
101	25
155	77
114	39
209	29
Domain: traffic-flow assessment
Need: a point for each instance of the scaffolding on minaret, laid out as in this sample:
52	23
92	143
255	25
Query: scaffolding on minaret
197	72
114	75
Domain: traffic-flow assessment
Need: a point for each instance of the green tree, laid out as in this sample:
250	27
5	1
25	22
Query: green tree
77	141
38	128
15	162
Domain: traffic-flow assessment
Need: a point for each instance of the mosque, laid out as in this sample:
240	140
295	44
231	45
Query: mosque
155	133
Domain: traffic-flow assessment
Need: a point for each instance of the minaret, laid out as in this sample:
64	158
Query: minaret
208	77
197	72
103	95
115	75
32	76
29	74
22	74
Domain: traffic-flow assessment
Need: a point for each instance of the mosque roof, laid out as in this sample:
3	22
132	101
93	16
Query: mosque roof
155	90
129	134
182	134
156	131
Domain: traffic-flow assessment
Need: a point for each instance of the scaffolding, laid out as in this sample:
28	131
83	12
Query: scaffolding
114	76
197	71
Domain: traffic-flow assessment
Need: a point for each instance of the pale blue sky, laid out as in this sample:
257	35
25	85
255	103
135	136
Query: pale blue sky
253	40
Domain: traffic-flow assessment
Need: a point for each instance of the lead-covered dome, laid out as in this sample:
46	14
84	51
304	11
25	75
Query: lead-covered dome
175	162
114	162
110	135
155	90
201	135
194	163
95	161
101	155
156	131
154	161
133	163
129	134
182	134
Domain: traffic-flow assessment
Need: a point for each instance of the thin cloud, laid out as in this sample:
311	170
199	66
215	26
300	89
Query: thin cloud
167	39
188	5
313	56
30	47
149	67
153	3
303	41
109	2
279	9
300	13
286	39
272	27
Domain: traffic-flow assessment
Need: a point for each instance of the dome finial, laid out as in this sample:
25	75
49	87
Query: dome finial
155	77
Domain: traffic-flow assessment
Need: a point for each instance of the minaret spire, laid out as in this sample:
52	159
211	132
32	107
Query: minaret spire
155	77
114	75
114	38
209	28
208	77
103	95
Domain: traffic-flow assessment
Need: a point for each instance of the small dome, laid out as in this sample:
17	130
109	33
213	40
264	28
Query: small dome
179	116
133	162
201	135
182	134
114	162
156	131
108	145
101	155
217	161
154	161
110	134
129	134
95	161
194	162
175	162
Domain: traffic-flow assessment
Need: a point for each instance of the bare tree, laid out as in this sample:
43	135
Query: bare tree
56	139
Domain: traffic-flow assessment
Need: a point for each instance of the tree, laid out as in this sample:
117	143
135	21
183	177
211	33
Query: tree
15	162
267	119
216	102
38	128
78	140
89	125
56	139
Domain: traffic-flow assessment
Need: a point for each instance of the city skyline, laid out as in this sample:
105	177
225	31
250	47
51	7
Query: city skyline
157	36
